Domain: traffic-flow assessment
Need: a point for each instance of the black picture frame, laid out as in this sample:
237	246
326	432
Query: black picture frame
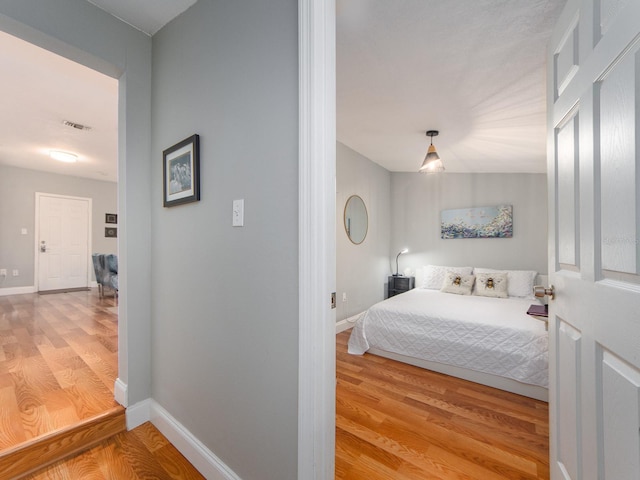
111	232
181	172
110	218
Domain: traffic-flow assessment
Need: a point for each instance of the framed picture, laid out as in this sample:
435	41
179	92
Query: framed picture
479	222
111	232
181	172
110	218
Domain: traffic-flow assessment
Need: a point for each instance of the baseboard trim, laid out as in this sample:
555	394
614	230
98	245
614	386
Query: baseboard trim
347	323
138	414
17	290
120	392
203	459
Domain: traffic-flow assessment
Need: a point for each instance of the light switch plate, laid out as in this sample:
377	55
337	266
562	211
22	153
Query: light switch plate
238	213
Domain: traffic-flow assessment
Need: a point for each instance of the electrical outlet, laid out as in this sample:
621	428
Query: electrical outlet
3	271
15	272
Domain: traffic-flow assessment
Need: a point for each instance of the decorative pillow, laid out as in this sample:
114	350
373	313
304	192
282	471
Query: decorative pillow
520	281
457	283
433	275
492	285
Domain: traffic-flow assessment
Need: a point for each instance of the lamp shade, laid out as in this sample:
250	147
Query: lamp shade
432	162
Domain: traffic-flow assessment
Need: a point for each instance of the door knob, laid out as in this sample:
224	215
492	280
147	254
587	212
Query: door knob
542	291
43	246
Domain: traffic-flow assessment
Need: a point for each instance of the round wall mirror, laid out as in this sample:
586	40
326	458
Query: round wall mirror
356	221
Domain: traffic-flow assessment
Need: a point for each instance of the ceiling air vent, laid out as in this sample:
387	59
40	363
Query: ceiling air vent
77	126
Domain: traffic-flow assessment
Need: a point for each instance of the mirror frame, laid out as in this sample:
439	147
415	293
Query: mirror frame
344	219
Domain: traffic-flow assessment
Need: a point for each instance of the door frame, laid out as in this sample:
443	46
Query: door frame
36	230
316	239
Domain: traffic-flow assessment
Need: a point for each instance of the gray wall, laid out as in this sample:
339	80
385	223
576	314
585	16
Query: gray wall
225	299
361	270
418	199
17	210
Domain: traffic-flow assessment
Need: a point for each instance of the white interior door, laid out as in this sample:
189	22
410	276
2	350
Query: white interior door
594	241
63	242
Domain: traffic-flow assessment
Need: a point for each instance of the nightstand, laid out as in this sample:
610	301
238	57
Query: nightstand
400	284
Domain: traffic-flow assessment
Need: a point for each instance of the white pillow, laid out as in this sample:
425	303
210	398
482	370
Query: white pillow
457	283
492	284
433	275
520	281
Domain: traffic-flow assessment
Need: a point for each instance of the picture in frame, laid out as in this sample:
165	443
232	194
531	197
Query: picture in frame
479	222
111	232
181	172
110	218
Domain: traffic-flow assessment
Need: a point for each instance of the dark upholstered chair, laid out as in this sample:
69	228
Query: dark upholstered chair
106	270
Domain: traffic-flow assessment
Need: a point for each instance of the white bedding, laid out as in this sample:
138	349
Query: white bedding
489	335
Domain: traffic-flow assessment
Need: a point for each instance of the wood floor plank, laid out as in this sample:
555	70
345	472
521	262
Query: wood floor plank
12	429
47	449
58	371
125	456
399	421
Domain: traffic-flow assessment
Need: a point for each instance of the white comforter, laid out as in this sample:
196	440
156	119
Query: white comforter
490	335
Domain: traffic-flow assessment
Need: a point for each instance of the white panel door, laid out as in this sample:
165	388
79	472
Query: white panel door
594	241
63	242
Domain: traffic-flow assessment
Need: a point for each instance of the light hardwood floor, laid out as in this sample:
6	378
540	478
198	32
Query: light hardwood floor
142	453
58	362
399	422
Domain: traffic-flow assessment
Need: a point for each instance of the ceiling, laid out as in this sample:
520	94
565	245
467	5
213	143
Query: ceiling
40	90
472	69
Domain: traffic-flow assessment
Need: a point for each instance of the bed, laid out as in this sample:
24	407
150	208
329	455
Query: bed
487	340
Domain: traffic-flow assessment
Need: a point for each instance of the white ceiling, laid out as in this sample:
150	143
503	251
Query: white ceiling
39	91
148	16
473	69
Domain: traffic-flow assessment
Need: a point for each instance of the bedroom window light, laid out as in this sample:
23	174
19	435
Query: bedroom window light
404	250
432	162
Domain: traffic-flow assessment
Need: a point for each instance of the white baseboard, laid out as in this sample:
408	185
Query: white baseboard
120	392
138	414
343	325
17	290
347	323
203	459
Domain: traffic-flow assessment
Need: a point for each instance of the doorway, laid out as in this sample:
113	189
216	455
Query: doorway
59	351
63	242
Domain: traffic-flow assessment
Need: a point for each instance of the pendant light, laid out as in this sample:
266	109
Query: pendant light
432	162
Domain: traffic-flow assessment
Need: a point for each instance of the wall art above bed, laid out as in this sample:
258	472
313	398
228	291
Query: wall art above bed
478	222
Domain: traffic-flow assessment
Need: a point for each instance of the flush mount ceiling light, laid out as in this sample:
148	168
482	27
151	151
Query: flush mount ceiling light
432	162
63	156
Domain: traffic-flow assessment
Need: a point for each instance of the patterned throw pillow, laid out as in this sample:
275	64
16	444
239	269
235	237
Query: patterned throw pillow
492	285
433	275
520	281
457	283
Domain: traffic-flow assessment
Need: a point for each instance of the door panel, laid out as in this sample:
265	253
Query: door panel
568	191
568	339
618	174
594	195
64	224
621	399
